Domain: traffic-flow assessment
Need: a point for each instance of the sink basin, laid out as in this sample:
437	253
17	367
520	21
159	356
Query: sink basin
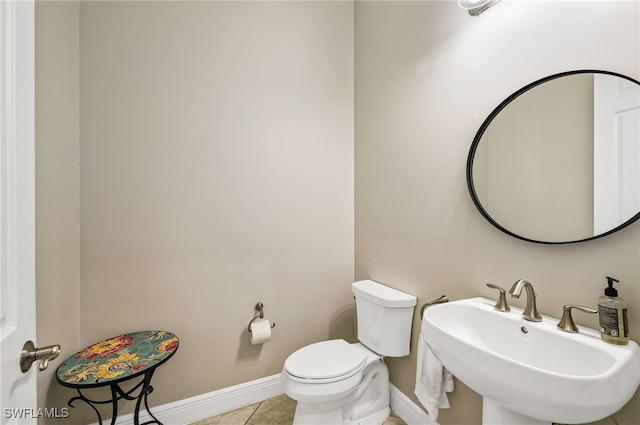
532	368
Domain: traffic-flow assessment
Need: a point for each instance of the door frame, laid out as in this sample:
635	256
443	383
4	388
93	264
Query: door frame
17	206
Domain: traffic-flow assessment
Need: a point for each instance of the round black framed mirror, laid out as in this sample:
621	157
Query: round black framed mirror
558	161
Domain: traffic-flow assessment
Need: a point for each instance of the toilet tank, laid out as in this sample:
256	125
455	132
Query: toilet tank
384	318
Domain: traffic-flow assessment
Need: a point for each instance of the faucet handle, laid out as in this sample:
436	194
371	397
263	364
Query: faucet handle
502	304
566	324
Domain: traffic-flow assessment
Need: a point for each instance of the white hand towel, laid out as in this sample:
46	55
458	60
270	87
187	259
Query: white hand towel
433	381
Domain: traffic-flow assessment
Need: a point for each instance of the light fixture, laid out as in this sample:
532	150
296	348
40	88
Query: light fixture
476	7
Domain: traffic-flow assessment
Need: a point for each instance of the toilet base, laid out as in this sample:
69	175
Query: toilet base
368	404
378	418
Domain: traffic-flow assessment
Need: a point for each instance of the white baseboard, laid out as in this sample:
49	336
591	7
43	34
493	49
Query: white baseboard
202	406
192	409
410	412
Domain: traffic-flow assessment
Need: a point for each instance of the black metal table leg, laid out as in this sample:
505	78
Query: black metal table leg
144	388
144	393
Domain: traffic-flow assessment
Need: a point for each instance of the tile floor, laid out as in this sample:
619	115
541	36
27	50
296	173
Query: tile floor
274	411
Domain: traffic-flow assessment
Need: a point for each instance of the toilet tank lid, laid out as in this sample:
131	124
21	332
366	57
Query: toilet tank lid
382	295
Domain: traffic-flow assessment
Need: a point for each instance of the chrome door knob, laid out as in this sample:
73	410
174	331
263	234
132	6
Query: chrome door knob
31	354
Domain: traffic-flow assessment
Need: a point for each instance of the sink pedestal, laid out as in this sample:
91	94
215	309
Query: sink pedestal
495	414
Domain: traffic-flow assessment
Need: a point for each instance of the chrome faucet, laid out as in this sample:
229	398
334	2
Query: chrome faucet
502	304
530	312
567	324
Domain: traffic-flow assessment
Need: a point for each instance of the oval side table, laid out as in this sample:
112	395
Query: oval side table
113	361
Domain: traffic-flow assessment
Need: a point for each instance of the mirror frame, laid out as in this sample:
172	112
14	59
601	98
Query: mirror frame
483	128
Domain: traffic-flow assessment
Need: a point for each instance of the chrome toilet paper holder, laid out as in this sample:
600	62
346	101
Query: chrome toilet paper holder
260	308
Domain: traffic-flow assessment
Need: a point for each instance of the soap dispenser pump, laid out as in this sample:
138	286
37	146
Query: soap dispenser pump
612	312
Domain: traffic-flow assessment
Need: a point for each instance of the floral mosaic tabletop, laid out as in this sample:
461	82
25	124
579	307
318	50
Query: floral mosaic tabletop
116	359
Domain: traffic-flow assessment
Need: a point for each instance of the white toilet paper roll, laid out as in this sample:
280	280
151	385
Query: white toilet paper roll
260	331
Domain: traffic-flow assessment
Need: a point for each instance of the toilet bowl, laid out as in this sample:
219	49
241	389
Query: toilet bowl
335	382
338	383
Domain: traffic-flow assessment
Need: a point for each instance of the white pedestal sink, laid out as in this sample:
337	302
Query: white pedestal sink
493	413
531	373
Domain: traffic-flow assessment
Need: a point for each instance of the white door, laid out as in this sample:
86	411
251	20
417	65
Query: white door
17	211
616	151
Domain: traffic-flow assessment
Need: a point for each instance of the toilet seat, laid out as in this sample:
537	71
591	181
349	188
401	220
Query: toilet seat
326	361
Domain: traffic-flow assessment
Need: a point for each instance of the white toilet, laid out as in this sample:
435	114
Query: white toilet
335	382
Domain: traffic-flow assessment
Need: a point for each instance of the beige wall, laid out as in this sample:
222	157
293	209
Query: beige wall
57	189
216	171
427	74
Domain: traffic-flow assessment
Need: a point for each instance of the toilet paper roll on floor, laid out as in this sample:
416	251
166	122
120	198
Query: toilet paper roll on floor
260	331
